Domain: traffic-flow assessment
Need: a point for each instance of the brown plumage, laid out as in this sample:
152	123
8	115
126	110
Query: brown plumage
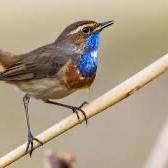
74	80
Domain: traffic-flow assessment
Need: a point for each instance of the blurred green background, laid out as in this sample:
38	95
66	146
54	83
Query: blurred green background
123	136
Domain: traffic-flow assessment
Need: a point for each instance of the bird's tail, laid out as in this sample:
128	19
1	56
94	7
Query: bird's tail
6	58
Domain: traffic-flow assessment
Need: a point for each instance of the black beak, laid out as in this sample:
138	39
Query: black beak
104	25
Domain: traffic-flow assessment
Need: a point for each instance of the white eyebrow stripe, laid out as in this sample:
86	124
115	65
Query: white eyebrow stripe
79	28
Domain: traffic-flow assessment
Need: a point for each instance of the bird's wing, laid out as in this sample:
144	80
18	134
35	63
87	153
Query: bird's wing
40	63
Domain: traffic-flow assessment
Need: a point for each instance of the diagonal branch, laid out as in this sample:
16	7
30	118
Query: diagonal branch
110	98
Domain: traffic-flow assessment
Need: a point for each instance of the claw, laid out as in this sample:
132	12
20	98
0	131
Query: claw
77	109
83	104
30	143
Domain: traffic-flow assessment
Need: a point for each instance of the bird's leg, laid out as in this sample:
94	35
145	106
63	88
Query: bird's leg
73	108
31	138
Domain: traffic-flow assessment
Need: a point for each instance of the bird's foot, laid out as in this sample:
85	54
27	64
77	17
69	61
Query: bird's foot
30	143
76	110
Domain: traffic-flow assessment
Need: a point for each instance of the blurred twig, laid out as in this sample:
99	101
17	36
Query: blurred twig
159	155
53	160
110	98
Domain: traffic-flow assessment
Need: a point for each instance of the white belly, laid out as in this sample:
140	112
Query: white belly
48	88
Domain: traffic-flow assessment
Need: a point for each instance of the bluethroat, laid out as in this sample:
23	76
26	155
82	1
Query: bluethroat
55	70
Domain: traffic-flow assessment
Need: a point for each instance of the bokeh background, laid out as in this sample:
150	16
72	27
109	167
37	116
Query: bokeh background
124	135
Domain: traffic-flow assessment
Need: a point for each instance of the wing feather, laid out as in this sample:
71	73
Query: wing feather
40	63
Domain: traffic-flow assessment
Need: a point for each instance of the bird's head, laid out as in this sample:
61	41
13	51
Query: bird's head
83	35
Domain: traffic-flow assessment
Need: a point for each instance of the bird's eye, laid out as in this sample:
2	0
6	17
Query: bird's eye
86	30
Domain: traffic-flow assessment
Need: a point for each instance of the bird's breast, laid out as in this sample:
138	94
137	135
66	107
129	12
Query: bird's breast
75	80
88	64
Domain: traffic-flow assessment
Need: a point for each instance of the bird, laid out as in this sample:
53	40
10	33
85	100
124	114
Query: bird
55	70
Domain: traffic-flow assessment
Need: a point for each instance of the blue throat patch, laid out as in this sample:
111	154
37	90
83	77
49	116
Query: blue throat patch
87	65
88	62
93	42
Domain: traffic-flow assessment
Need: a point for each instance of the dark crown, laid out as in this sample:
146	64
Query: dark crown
82	28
